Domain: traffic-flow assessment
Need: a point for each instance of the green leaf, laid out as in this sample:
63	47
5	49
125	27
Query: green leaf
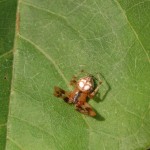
57	39
7	30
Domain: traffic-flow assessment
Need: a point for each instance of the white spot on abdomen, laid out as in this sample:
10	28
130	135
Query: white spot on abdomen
81	84
86	87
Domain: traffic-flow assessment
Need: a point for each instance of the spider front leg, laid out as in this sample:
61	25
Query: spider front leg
85	109
58	92
73	81
91	95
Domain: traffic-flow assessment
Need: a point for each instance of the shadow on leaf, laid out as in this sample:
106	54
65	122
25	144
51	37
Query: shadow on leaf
98	117
99	97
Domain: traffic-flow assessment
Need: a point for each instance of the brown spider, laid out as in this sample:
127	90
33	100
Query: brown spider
83	88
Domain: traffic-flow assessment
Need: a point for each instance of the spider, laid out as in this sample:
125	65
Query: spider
84	88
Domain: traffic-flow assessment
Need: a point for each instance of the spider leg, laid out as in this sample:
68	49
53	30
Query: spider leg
91	95
58	92
73	81
81	110
90	110
85	109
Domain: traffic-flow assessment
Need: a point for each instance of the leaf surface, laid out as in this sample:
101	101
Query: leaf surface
55	40
7	31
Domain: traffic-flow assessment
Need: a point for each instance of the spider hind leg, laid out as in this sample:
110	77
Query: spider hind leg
85	109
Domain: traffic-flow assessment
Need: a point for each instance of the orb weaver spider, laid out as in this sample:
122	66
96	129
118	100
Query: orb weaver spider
84	88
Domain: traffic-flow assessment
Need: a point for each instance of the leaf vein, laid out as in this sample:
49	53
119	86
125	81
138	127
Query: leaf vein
34	126
48	57
15	143
3	125
137	4
44	10
135	33
7	53
3	1
62	18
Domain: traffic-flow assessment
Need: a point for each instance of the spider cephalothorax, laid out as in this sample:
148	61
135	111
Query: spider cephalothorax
83	88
